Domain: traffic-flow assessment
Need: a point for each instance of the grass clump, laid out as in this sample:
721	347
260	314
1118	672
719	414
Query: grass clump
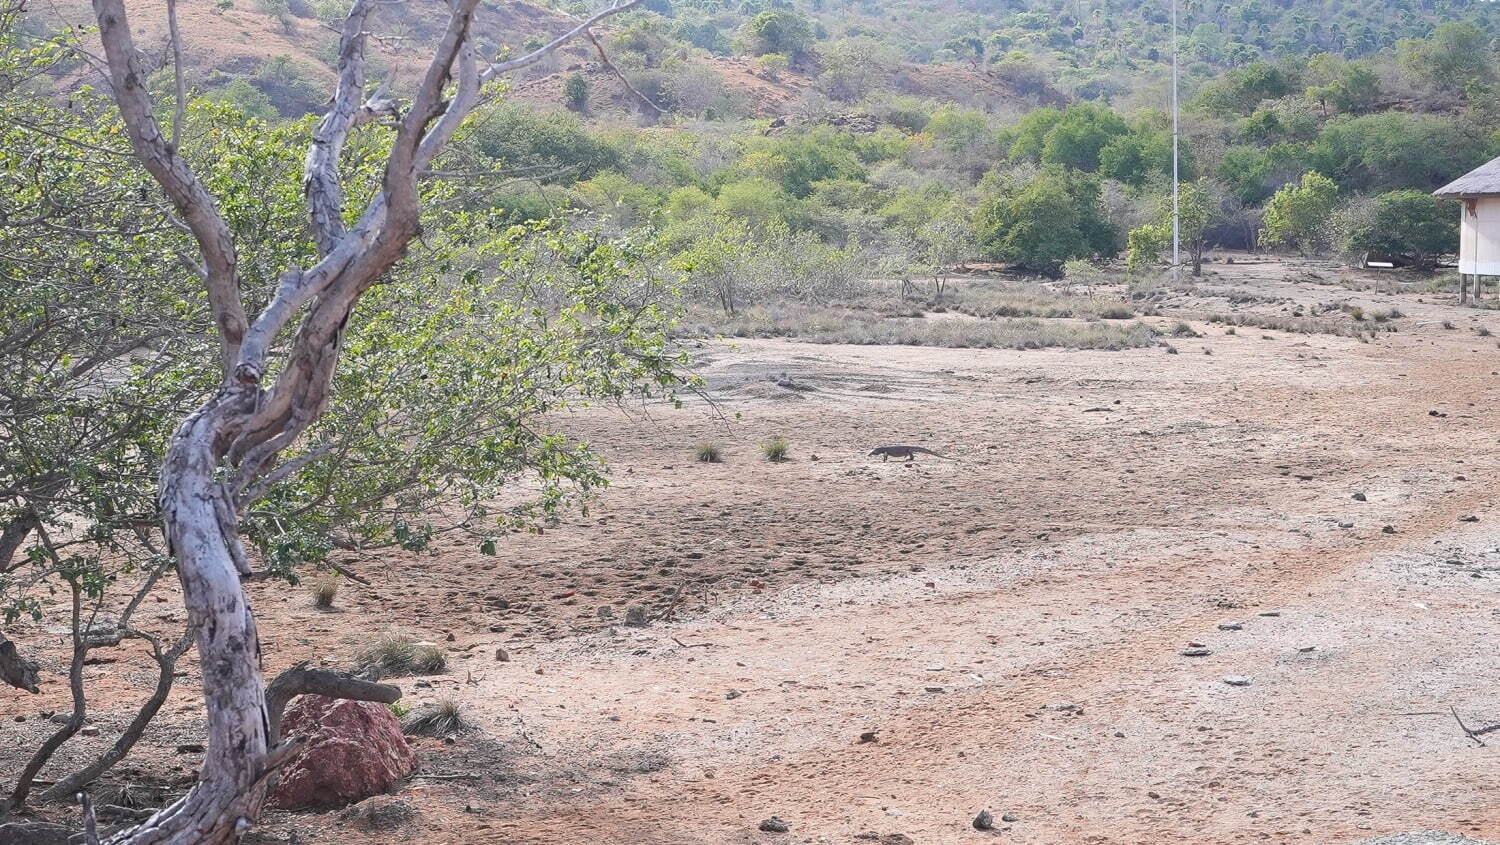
324	591
708	453
444	718
393	655
776	449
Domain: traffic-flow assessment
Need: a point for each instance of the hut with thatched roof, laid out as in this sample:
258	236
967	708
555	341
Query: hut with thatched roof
1479	238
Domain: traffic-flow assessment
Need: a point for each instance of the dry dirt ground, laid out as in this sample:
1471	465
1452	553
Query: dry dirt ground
1004	629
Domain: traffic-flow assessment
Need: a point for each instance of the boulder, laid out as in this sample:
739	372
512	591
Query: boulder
353	750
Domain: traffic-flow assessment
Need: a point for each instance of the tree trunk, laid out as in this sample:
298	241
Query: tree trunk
202	537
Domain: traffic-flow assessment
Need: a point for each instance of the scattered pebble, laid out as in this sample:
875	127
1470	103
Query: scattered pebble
502	656
733	694
1196	652
984	821
1010	817
1237	681
774	825
1360	497
1231	626
1469	518
868	736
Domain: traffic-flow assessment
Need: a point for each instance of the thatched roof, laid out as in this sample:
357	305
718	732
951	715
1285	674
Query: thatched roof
1484	182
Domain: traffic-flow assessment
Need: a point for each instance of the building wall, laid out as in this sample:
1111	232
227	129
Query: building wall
1479	241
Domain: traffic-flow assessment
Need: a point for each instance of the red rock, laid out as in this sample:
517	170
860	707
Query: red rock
354	749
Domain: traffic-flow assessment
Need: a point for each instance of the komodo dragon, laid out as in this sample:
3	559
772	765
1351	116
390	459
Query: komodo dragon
908	452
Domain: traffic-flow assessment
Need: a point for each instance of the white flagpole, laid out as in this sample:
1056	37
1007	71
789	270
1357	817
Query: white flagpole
1176	209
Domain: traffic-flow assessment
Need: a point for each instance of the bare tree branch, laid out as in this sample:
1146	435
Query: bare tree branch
542	52
163	160
320	180
604	57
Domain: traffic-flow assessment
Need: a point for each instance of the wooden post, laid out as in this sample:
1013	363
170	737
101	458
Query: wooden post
1463	288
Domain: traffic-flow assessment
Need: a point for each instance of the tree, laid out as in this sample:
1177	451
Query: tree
1456	56
1199	210
235	447
1055	217
1298	215
778	31
1349	87
576	89
1407	223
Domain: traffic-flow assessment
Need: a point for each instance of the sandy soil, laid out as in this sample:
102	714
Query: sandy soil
1008	626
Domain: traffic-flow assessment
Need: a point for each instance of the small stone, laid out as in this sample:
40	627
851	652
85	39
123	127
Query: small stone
605	612
1360	497
1196	652
933	689
1469	518
1307	648
1346	525
450	638
868	736
635	616
423	683
1010	817
1271	613
774	825
20	718
1237	681
502	656
90	730
1231	626
1389	529
984	821
190	748
733	694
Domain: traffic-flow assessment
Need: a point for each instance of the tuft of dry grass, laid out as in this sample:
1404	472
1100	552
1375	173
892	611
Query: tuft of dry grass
776	449
445	718
708	453
324	591
394	655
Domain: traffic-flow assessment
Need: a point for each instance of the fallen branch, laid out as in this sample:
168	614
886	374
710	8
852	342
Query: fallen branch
694	645
301	680
1469	732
